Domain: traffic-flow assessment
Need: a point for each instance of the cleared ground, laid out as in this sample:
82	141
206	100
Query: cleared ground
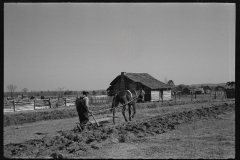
208	138
155	133
37	130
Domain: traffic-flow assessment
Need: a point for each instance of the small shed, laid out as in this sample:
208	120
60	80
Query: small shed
186	90
199	91
207	91
155	90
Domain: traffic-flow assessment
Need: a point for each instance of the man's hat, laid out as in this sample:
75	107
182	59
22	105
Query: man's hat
85	92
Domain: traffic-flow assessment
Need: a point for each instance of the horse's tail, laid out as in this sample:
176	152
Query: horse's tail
131	96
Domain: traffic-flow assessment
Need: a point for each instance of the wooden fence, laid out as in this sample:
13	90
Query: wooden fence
214	95
53	100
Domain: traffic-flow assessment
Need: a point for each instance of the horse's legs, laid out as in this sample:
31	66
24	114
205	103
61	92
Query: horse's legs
129	111
134	109
115	103
123	112
124	108
113	116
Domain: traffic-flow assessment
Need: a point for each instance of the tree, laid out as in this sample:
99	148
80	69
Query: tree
59	92
206	87
165	80
11	89
212	88
103	93
25	90
193	87
180	87
67	92
171	83
94	92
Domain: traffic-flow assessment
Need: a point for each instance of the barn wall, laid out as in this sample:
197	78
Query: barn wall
130	84
147	91
116	86
186	91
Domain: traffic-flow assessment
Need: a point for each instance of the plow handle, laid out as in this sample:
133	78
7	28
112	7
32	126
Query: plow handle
95	119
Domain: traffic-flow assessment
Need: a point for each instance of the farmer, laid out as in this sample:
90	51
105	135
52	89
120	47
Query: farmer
82	105
141	95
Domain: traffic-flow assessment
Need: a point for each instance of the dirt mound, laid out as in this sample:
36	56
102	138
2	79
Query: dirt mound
73	143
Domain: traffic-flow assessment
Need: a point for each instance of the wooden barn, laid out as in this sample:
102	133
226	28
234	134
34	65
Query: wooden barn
155	90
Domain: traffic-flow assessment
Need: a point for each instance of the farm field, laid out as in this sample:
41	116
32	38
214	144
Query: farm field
164	132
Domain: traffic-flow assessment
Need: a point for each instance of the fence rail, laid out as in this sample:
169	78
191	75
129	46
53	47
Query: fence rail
54	102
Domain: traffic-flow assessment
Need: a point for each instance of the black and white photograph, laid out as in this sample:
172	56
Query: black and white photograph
119	80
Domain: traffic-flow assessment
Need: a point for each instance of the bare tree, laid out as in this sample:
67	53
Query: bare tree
11	89
59	91
103	93
25	90
165	80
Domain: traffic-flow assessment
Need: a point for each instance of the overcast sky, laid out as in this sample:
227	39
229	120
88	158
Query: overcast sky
84	46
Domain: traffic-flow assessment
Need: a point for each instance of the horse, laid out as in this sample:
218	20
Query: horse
125	97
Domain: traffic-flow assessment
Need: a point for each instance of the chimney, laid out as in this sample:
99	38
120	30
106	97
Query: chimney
122	83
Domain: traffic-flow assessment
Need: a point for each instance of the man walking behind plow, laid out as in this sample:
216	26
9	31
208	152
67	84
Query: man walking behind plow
82	106
141	96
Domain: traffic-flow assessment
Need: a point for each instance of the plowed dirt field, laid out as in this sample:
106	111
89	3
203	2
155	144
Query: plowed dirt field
186	131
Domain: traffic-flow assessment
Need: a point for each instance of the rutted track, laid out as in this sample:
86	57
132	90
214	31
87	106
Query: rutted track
75	144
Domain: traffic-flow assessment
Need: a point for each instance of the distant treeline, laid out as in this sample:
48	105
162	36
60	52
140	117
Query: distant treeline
55	93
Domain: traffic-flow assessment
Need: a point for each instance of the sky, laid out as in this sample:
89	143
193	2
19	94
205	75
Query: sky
84	46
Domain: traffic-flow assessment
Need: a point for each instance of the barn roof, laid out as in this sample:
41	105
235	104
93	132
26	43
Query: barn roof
145	79
188	88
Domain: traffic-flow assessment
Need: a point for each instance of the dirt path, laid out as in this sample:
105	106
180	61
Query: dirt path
37	130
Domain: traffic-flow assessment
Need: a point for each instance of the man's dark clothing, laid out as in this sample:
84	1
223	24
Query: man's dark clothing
81	105
141	96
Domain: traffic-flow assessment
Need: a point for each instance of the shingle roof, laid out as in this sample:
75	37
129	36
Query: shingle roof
145	79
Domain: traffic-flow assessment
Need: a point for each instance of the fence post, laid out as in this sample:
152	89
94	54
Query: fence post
175	98
34	102
223	95
14	106
215	94
191	97
65	100
210	95
50	106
